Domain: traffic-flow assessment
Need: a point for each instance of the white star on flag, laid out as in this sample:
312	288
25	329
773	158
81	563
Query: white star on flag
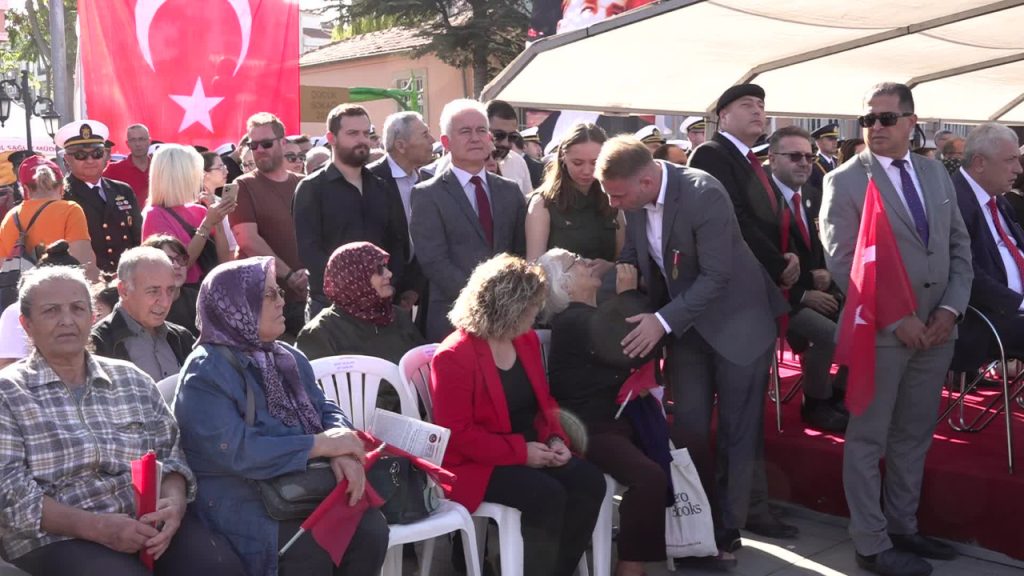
197	107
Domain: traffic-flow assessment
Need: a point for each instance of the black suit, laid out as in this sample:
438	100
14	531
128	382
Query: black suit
115	224
989	291
412	277
758	222
822	165
331	212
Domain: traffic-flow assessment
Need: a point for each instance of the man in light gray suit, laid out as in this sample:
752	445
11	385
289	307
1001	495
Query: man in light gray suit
716	303
463	215
912	355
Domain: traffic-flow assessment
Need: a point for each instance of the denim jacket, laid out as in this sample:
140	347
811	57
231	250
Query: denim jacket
226	455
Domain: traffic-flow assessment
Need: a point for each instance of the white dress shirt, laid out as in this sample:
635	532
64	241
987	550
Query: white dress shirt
514	168
470	189
1013	281
897	182
655	223
405	183
788	194
743	148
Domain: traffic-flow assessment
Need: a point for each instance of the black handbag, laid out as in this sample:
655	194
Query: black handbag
208	259
407	495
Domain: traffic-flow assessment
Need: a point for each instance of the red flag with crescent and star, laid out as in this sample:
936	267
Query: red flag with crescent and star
191	71
877	270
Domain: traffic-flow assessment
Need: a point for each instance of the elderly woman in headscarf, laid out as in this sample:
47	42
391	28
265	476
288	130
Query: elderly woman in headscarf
241	315
361	318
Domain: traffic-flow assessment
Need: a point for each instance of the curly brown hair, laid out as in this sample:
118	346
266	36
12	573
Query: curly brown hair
499	292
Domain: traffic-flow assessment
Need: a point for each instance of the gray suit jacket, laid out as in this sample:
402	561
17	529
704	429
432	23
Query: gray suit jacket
721	290
450	241
939	273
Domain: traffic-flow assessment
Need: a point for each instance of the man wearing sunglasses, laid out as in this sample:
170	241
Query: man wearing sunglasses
111	209
913	354
504	133
814	298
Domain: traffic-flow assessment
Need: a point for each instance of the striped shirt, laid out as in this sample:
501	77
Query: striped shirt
76	451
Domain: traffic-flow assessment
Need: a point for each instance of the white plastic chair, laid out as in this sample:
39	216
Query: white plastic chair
414	370
167	387
352	382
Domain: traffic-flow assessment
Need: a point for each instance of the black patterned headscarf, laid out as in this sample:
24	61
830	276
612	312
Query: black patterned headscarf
231	299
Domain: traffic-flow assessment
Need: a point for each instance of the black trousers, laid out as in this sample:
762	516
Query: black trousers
364	556
642	512
559	509
193	550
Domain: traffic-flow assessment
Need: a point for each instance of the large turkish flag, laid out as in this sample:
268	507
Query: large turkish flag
191	71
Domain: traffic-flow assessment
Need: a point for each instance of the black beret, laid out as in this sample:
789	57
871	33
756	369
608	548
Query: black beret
734	93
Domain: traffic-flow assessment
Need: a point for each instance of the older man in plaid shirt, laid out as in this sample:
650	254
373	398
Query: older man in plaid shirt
70	425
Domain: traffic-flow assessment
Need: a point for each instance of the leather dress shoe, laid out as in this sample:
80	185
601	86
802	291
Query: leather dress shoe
893	562
823	415
772	527
728	539
923	546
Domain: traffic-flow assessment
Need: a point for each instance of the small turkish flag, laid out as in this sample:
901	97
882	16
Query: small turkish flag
193	72
877	269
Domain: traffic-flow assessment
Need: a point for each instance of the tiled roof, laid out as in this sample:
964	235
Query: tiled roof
398	39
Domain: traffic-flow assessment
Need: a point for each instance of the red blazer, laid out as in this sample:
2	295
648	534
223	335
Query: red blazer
469	400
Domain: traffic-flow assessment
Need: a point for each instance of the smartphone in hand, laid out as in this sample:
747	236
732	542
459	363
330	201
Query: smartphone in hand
229	193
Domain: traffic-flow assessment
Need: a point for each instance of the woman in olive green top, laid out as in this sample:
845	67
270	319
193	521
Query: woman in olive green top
361	318
569	209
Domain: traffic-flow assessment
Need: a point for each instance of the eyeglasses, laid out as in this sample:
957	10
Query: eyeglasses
82	155
575	259
796	157
295	157
221	167
381	268
272	294
886	118
500	135
265	144
249	166
179	261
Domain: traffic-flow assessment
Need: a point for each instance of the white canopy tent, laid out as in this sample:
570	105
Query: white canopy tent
963	58
12	134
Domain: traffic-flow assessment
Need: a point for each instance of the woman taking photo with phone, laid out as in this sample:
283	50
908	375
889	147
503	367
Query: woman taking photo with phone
175	177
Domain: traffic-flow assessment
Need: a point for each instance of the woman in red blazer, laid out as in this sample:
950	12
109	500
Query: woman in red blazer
507	446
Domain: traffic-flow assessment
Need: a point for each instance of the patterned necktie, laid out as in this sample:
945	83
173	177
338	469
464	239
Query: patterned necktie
483	209
798	213
763	177
913	200
1018	258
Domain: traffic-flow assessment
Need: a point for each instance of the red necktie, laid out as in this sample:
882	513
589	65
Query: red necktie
1018	258
798	213
483	210
763	177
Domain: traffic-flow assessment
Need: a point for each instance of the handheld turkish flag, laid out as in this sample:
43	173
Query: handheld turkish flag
146	486
193	72
877	269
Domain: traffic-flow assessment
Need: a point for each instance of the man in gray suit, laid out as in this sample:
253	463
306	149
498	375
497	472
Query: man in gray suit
463	215
717	304
912	355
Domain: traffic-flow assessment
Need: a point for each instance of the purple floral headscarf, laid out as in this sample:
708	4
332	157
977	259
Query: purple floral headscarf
229	306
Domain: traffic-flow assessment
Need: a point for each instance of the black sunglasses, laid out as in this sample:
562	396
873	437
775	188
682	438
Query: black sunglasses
81	155
795	157
500	135
265	144
886	118
295	157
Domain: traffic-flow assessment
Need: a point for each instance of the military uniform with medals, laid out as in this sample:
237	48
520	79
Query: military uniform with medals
111	209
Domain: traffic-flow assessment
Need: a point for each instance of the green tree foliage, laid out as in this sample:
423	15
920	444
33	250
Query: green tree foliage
484	35
28	31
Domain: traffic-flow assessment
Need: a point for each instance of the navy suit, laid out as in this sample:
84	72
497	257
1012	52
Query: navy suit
989	291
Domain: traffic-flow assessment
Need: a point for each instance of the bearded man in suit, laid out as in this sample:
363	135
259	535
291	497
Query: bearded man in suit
716	304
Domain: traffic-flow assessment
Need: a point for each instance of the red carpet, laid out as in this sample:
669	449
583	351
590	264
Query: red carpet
968	494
